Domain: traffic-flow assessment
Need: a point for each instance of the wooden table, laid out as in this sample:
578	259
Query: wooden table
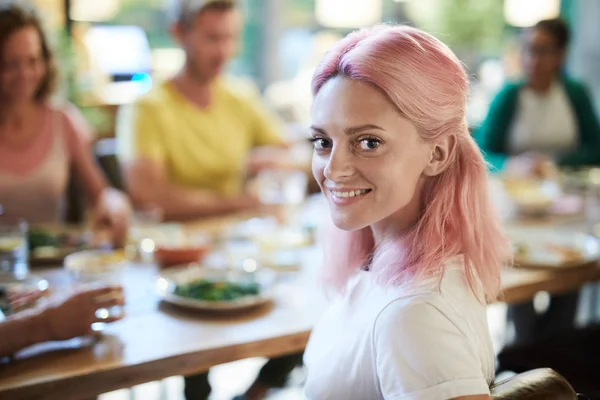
156	340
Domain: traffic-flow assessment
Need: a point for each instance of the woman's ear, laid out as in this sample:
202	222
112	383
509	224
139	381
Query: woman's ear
441	154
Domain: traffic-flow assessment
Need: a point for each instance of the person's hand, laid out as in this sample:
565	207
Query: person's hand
113	213
531	165
72	317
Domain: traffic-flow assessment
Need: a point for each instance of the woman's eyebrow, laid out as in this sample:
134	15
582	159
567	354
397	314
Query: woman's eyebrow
357	129
351	130
317	129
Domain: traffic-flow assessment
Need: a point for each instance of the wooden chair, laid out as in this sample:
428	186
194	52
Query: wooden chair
537	384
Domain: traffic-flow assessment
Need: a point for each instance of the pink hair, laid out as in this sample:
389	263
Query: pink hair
426	82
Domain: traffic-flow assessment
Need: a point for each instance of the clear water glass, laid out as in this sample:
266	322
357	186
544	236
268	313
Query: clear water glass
14	250
88	269
141	241
284	189
282	186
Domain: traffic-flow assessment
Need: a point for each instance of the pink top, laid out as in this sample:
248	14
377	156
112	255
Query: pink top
33	180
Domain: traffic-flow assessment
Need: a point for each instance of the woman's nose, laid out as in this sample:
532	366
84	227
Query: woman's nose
339	165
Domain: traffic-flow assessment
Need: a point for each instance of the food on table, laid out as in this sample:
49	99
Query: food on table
526	191
41	238
46	243
530	196
169	256
521	250
209	290
565	254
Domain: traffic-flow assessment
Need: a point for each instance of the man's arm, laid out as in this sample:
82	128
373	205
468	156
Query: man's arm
22	330
59	319
148	184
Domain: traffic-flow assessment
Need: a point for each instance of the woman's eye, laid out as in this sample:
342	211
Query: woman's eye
369	144
320	143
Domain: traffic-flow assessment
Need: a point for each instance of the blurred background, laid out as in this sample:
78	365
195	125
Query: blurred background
133	49
110	53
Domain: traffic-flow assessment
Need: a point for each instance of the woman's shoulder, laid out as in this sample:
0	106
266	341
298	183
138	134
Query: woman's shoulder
64	109
69	120
571	82
576	89
451	297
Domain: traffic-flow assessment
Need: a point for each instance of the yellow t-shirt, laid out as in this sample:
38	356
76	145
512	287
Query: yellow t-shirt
200	148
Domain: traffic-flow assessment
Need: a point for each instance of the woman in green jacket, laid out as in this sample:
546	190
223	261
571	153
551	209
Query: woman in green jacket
548	117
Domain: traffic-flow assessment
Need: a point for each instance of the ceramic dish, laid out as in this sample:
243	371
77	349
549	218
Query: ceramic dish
250	289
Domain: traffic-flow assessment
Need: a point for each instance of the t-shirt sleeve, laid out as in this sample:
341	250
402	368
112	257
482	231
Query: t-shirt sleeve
420	354
139	133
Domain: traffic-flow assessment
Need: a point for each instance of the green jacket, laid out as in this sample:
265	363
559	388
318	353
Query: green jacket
492	135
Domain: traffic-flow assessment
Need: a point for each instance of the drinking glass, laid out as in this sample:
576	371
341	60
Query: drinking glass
285	190
14	250
141	238
282	186
96	268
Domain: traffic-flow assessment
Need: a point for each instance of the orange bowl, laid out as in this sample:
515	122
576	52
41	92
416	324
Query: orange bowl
169	256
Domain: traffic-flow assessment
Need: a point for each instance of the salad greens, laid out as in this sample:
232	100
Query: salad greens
206	290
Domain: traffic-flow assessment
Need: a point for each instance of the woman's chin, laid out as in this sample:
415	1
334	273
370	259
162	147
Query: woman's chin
348	224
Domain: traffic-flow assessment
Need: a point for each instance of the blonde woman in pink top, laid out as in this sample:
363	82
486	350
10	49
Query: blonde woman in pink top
41	143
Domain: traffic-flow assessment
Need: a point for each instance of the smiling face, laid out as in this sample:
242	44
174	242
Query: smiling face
22	66
369	161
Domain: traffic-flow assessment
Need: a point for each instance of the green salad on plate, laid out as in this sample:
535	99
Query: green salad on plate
215	290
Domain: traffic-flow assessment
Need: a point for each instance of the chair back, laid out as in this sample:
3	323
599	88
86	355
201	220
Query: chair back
537	384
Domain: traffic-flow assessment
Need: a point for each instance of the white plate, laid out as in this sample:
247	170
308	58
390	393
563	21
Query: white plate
172	277
539	241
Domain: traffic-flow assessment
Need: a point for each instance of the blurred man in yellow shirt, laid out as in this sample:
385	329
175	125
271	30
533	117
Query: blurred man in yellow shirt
187	146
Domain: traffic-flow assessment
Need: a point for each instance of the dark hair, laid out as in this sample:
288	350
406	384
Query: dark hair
557	28
188	10
19	14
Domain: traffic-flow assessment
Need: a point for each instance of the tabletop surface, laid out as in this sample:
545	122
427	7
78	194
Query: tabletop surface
156	340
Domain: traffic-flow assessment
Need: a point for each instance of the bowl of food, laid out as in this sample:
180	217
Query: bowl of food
530	196
52	245
184	248
541	248
168	256
210	289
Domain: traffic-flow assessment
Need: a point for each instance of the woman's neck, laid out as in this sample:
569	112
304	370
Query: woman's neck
18	123
401	221
540	87
15	115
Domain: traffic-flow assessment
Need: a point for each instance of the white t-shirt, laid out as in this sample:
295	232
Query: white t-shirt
375	342
543	123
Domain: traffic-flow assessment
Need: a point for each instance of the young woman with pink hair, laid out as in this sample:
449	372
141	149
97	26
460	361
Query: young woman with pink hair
417	249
